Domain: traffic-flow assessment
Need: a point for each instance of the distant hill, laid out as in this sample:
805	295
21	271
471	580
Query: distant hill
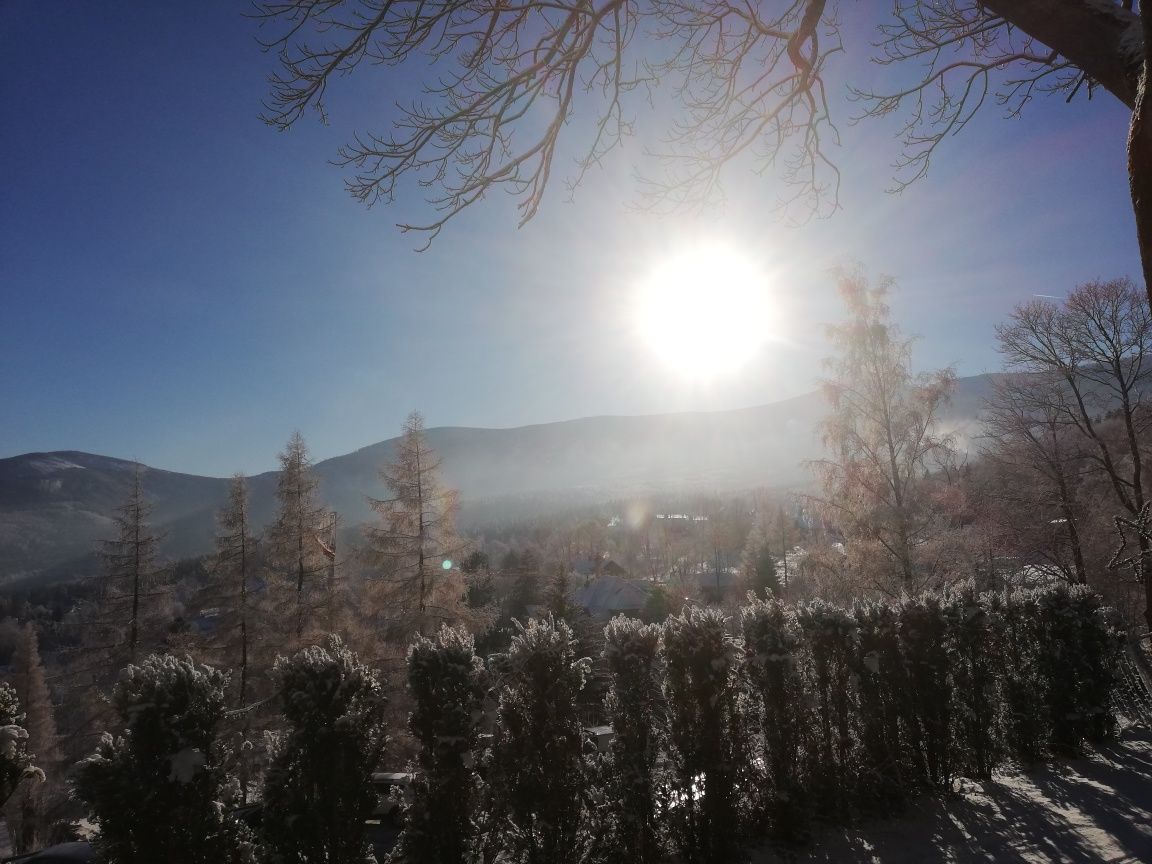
55	507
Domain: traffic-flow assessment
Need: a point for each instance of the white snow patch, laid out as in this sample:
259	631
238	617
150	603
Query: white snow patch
1094	809
49	464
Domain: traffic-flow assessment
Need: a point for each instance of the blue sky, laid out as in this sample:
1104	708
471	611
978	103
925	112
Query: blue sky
184	285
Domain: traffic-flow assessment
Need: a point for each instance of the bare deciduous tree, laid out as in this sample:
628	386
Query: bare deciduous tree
750	78
882	442
1095	348
1039	462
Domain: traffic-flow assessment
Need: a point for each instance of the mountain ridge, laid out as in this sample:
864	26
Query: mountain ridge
55	506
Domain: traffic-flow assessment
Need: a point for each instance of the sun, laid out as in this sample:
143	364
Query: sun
705	311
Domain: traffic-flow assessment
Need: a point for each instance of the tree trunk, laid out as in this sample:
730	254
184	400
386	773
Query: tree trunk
1095	36
1140	182
1140	165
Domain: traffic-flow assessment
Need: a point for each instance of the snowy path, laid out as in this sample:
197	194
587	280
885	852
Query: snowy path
1088	810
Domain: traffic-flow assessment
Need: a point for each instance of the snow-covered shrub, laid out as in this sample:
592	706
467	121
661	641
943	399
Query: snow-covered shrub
882	684
830	638
536	777
318	789
708	750
1076	663
447	683
1021	684
635	708
977	667
1061	665
772	668
926	644
13	741
155	790
1102	642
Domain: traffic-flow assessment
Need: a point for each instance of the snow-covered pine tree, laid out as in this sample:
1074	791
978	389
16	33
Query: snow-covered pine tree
447	682
886	762
829	634
14	762
156	789
635	708
976	676
1076	663
318	789
294	543
1102	643
537	774
28	810
928	647
708	747
1025	720
560	603
414	550
772	657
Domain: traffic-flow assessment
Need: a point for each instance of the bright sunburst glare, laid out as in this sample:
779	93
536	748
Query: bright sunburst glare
705	311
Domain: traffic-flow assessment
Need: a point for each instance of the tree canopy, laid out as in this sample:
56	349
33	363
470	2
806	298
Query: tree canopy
751	79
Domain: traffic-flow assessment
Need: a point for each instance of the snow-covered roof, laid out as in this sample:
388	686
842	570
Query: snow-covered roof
610	594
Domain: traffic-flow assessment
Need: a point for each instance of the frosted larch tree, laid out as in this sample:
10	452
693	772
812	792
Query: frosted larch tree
294	539
229	593
417	582
133	583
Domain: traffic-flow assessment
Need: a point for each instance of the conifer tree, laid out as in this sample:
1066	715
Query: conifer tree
772	657
928	646
758	565
295	550
120	623
318	790
415	546
537	776
447	682
560	603
239	640
229	589
156	789
522	571
132	582
14	762
635	708
27	811
707	735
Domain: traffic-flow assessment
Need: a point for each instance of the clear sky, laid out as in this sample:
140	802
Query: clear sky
182	284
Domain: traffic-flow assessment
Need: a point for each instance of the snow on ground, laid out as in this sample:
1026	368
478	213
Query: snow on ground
1095	809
